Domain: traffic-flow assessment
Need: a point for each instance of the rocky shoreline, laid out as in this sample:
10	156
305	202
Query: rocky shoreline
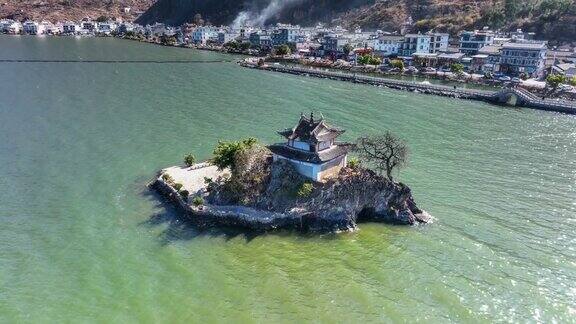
354	197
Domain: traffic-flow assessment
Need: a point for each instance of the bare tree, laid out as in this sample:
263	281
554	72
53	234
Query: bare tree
386	152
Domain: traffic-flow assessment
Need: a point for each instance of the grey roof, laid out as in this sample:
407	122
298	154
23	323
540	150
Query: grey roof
310	130
326	155
528	46
490	49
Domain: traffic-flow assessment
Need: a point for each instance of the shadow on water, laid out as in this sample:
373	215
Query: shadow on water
181	228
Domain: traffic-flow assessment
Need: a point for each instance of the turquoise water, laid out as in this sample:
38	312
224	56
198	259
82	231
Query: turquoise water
83	240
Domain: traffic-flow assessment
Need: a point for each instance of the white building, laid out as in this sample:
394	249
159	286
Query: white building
415	43
528	58
10	26
438	42
70	28
387	45
106	27
202	35
310	146
472	41
32	28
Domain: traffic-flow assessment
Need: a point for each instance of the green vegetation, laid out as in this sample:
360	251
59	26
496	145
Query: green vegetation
457	68
177	186
353	163
399	64
198	201
235	46
102	19
189	159
283	50
225	152
208	180
305	190
555	80
184	193
347	49
572	81
167	178
369	60
168	40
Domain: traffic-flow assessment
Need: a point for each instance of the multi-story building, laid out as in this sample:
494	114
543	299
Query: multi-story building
227	37
333	44
202	35
287	35
70	28
32	28
261	38
472	41
106	27
415	43
10	26
87	26
528	58
438	42
387	45
488	58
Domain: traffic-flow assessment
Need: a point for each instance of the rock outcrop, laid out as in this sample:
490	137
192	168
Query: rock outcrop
356	195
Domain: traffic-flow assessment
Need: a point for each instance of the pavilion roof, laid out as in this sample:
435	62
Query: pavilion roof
310	130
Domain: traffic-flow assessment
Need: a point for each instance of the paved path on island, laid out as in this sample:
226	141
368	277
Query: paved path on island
192	178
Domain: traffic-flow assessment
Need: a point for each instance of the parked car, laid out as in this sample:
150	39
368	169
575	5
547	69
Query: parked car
412	69
505	78
429	70
516	80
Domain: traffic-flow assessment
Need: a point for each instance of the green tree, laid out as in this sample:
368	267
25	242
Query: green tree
197	201
102	19
457	68
347	49
572	81
555	80
305	190
283	50
353	163
189	160
386	152
399	64
225	152
511	8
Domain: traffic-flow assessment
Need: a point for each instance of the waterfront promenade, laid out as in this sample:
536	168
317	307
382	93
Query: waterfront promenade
506	96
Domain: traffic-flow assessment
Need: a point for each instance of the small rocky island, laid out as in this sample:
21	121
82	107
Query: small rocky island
306	183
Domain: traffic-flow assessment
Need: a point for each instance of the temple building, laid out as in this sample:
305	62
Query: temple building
312	149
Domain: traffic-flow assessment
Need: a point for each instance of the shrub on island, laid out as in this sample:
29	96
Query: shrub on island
189	160
178	186
184	193
167	178
353	163
305	190
198	201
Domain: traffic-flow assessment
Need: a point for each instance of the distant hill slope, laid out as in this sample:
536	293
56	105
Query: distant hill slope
59	10
550	19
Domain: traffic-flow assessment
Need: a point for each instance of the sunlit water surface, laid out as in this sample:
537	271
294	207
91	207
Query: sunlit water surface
82	239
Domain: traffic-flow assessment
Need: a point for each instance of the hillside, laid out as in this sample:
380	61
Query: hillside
550	19
60	10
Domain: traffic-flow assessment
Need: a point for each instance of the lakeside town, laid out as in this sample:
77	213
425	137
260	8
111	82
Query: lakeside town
488	57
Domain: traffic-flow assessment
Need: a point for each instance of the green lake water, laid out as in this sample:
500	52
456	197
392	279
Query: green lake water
83	240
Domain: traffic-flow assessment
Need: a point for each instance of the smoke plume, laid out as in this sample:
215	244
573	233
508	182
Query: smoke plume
258	18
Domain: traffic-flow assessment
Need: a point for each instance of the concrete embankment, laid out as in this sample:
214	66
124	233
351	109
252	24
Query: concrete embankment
509	97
